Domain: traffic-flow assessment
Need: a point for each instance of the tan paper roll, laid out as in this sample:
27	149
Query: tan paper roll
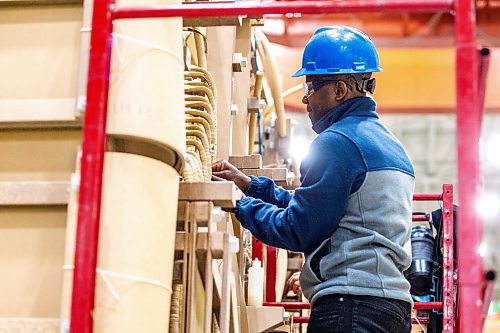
137	236
146	82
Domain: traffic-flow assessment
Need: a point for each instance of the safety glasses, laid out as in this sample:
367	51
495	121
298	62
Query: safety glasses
310	87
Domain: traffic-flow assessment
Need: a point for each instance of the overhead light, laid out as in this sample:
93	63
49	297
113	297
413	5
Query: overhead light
274	26
299	148
488	205
483	249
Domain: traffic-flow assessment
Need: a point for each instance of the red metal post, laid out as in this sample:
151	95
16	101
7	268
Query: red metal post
271	256
428	197
299	320
468	132
420	218
448	266
257	249
423	321
305	320
218	9
427	305
93	148
289	305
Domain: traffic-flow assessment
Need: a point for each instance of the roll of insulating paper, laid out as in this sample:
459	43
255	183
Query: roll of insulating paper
146	97
136	245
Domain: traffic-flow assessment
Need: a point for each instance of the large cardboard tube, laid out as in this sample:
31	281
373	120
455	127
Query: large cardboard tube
137	236
139	200
146	90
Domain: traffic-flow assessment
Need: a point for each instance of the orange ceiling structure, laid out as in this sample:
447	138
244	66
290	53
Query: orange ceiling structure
414	79
390	29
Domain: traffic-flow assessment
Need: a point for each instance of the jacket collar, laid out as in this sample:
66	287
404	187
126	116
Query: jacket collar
363	106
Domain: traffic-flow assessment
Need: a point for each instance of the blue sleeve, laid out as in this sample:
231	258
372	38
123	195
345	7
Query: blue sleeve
265	189
317	206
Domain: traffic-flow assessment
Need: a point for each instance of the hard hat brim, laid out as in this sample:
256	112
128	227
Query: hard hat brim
303	71
300	72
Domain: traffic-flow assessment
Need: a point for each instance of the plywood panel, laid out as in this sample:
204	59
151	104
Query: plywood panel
241	92
220	48
39	54
31	259
38	155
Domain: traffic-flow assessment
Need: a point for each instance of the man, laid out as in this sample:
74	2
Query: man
351	216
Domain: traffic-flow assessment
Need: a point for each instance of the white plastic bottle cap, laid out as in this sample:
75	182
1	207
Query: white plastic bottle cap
256	263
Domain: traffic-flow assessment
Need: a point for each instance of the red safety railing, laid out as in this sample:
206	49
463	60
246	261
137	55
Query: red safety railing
470	98
215	9
447	305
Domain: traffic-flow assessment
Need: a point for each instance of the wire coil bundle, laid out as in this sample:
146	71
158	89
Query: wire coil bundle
201	132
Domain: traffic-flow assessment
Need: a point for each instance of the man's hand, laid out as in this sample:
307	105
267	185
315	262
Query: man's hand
223	170
293	283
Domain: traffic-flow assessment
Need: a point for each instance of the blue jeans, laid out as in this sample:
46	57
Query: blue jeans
359	314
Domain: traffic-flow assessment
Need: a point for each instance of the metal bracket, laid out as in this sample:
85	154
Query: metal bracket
239	62
253	104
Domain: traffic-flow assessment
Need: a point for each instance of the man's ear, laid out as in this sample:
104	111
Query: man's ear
340	91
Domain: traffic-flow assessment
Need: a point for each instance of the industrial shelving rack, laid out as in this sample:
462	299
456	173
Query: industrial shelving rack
471	69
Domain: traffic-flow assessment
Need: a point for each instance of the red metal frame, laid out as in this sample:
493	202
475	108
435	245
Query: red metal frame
215	9
305	305
447	305
257	250
468	131
305	320
448	266
420	218
470	233
93	148
271	257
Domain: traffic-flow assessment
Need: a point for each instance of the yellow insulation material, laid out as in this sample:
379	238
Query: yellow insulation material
203	89
175	308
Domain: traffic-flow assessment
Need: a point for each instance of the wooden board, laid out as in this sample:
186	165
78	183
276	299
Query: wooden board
276	174
34	193
202	243
212	21
30	325
202	216
241	81
38	2
246	161
263	319
37	109
223	194
220	48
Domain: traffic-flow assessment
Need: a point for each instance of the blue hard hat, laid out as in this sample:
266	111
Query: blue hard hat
339	50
